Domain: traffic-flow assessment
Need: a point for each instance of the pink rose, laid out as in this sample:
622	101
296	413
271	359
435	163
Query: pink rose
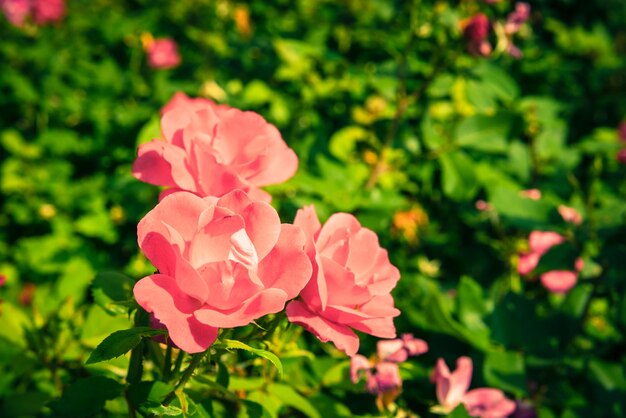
358	364
48	11
559	281
570	215
163	54
16	11
350	285
452	386
221	263
452	390
400	349
211	150
488	403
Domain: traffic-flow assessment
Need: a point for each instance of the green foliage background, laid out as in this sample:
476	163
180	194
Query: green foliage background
389	115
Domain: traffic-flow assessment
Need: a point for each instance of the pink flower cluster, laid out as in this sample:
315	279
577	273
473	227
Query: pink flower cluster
539	243
383	374
223	257
477	28
452	390
41	11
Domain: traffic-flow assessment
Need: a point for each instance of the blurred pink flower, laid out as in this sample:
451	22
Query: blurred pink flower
579	264
452	390
400	349
539	242
222	263
452	386
476	32
517	18
16	11
351	282
488	403
570	215
621	156
559	281
163	54
48	11
482	205
3	280
211	149
534	194
386	379
359	363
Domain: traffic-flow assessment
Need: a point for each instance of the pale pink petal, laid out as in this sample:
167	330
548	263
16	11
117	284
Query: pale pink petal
559	281
342	336
156	161
414	346
287	267
159	295
570	215
179	210
388	376
391	350
338	226
306	218
263	303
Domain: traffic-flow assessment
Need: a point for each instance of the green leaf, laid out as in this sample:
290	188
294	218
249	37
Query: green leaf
151	130
485	133
238	345
148	396
121	342
111	290
459	178
497	81
290	397
459	412
523	212
86	397
506	370
344	141
471	305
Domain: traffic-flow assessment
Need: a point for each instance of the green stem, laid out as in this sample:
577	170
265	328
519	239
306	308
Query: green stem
135	366
167	363
179	362
196	359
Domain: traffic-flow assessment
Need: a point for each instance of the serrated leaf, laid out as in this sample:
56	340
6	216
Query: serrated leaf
120	343
238	345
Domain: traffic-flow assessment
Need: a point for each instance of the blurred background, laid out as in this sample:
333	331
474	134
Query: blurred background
452	129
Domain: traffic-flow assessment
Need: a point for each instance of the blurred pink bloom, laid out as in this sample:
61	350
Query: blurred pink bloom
359	363
488	403
16	11
476	32
541	241
400	349
163	54
482	205
570	215
452	386
3	280
534	194
517	18
527	263
621	156
351	282
579	264
222	263
386	379
48	10
452	390
513	51
559	281
211	150
621	131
